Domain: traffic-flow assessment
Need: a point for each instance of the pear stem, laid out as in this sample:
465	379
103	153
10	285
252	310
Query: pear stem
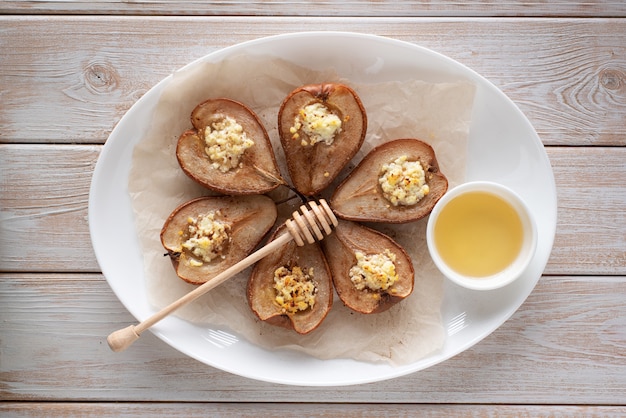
270	176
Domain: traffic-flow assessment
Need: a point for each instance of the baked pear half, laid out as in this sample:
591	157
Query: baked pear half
398	181
321	127
205	236
370	271
291	288
229	150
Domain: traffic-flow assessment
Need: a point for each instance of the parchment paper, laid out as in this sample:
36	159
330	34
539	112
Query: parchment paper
437	113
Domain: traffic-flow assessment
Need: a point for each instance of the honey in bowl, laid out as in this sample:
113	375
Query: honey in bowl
478	234
481	235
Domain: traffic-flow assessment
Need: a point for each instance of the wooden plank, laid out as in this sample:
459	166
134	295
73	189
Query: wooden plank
48	200
565	346
572	86
604	8
254	410
591	202
43	207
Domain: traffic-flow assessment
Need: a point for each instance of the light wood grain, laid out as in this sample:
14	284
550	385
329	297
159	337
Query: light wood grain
313	410
43	207
566	345
591	214
567	75
49	200
69	70
322	8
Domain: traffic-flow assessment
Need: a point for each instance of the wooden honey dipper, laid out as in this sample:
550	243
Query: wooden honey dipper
313	225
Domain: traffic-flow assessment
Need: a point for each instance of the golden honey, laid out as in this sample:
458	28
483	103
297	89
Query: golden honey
478	234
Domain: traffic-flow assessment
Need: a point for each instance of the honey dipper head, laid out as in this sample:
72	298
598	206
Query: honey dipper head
316	221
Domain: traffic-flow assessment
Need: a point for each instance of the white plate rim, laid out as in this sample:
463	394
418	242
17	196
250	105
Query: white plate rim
338	372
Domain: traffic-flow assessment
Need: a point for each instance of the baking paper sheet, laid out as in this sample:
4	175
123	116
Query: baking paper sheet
438	113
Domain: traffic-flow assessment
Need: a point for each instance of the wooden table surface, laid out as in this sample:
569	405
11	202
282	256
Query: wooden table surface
69	70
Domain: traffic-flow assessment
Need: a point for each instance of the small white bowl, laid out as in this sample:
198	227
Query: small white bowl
510	272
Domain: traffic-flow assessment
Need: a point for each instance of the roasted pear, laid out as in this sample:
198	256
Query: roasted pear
291	288
370	271
207	235
229	150
388	185
321	127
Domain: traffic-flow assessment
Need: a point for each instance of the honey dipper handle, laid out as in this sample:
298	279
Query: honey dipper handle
121	339
303	228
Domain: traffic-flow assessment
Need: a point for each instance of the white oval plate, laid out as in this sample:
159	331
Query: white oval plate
503	147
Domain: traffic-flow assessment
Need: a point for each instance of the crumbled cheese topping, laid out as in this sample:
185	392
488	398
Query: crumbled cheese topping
403	182
295	289
318	123
374	271
208	237
226	141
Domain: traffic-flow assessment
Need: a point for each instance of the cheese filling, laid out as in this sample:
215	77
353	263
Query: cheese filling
375	272
226	141
318	124
403	182
295	289
208	238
